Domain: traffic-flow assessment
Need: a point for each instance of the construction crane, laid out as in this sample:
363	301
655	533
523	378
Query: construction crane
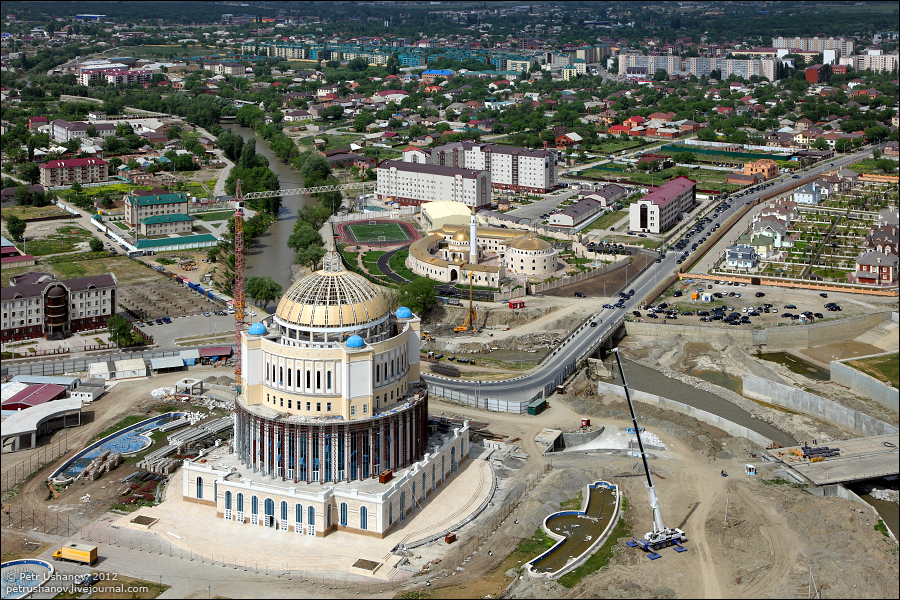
471	316
661	536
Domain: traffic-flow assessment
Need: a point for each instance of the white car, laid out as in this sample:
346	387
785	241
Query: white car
251	313
230	311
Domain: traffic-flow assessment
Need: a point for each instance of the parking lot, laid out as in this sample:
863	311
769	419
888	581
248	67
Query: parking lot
195	326
743	300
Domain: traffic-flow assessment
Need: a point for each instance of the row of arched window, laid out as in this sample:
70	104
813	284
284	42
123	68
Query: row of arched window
236	502
282	377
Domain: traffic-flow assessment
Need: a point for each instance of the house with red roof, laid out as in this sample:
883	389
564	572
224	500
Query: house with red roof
635	121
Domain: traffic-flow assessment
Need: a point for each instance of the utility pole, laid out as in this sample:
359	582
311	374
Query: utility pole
727	495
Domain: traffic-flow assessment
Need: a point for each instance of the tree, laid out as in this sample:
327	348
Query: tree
333	112
820	144
91	131
885	164
707	134
363	120
120	330
262	289
876	154
303	236
95	244
684	157
16	228
310	256
30	172
358	64
418	296
661	75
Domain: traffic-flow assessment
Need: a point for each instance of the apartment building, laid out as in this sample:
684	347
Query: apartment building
879	63
703	66
669	64
815	44
414	184
164	224
38	305
115	77
511	168
139	207
661	208
66	172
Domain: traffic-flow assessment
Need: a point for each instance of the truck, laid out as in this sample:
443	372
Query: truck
78	553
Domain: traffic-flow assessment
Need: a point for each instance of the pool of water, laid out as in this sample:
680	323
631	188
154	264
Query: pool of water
581	529
721	379
21	577
797	365
127	441
375	208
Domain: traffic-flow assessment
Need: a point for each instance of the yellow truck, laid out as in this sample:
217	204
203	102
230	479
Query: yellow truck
79	553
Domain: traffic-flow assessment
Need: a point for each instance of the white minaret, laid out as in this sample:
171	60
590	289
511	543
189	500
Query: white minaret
473	239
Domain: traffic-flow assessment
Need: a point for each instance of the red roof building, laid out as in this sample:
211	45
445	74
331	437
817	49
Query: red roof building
34	395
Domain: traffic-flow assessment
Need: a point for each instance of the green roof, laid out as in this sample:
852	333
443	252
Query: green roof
160	199
166	219
176	241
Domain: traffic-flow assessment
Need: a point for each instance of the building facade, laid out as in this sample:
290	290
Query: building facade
413	184
815	44
38	305
661	208
138	208
67	172
164	224
63	131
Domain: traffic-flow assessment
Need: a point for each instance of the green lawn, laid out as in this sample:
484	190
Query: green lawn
121	225
333	142
607	220
219	215
398	265
869	166
379	232
608	146
884	368
35	212
372	257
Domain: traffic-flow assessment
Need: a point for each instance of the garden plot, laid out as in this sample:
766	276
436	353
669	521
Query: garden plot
162	298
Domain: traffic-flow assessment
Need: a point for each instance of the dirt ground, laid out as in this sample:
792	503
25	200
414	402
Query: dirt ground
614	281
773	531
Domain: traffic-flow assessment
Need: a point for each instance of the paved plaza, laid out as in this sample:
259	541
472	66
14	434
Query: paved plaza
192	531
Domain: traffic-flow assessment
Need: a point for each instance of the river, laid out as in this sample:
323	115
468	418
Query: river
269	254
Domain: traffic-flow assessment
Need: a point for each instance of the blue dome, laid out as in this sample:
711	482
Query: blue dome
258	329
354	341
404	313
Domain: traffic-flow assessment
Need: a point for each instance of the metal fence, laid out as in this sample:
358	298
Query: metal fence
21	471
517	407
81	364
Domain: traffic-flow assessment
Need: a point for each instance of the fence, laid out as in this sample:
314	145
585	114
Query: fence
516	407
459	554
21	471
49	522
545	287
390	213
81	364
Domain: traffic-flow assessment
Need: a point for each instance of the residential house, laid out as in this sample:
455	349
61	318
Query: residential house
767	167
741	257
883	239
741	179
811	193
875	268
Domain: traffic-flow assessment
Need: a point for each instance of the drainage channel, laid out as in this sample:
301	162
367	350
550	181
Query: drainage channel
648	380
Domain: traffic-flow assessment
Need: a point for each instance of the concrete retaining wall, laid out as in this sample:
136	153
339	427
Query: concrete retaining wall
772	338
685	409
794	399
867	385
576	439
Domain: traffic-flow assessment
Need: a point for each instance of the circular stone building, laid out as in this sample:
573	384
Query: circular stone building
531	256
326	387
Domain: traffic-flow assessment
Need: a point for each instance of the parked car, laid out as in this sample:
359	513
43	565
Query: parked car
167	320
159	321
580	295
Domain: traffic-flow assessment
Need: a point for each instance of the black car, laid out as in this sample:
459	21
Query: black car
593	323
791	306
787	315
824	295
677	294
759	294
819	315
688	314
636	313
663	305
159	321
652	315
580	295
703	313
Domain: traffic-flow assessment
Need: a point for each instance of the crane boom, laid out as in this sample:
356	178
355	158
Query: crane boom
238	281
661	535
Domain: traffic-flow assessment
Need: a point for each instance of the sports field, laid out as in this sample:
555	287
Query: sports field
378	231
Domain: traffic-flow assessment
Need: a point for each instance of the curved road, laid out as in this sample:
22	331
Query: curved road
526	386
385	267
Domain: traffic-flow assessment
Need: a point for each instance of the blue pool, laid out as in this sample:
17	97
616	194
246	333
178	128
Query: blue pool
375	208
22	577
128	441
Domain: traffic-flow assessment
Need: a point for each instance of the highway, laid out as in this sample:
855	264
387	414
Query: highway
526	386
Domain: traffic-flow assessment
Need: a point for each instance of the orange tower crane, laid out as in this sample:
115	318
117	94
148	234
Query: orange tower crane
238	281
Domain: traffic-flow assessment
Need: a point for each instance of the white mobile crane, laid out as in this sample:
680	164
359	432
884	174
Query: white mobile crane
661	536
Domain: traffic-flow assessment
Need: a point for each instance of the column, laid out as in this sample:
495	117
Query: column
320	436
371	453
309	443
347	435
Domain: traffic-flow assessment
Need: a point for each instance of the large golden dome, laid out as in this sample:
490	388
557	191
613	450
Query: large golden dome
461	236
530	242
332	297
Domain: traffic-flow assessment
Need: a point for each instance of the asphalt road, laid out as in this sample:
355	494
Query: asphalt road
526	386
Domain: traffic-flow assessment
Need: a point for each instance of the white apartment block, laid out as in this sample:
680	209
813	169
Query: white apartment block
414	184
511	168
815	44
879	63
658	210
702	66
669	64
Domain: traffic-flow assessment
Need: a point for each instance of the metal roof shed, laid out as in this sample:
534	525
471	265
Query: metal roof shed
70	383
35	395
166	364
105	370
130	368
538	406
190	357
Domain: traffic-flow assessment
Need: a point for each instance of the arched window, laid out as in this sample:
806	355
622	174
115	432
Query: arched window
280	375
318	380
307	380
284	510
254	505
311	516
363	518
327	515
343	514
240	502
390	514
199	488
289	378
328	380
298	513
227	500
392	368
298	378
267	371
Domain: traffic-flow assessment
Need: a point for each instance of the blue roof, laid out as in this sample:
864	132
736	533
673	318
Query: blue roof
354	341
404	313
258	329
